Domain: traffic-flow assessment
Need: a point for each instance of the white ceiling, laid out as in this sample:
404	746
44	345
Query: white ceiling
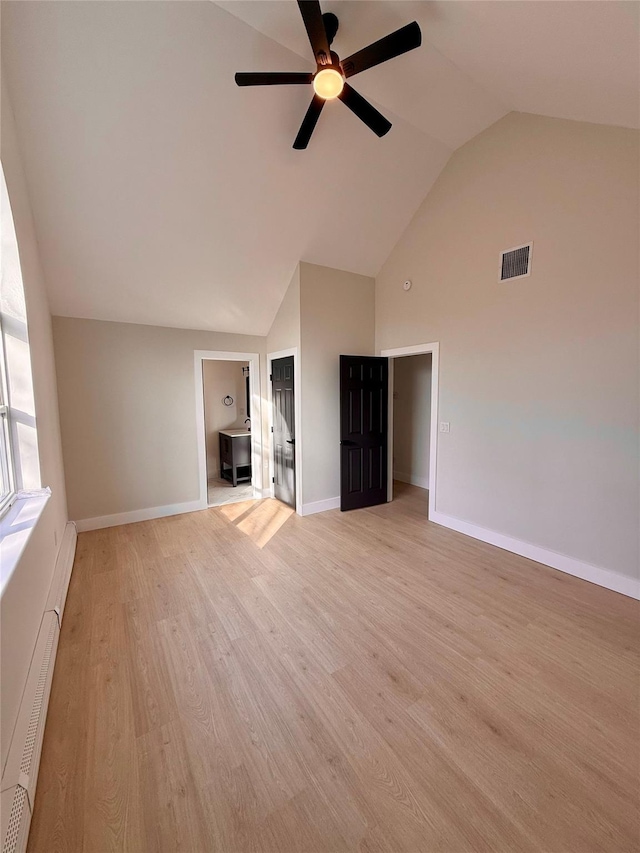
164	194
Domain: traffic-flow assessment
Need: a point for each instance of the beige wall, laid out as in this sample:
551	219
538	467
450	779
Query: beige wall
285	329
127	405
412	419
539	377
24	598
336	318
219	379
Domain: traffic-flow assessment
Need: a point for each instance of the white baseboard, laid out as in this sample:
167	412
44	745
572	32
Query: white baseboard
320	506
118	518
422	482
594	574
20	776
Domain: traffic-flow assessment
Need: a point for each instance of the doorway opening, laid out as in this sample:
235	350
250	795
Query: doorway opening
229	422
411	424
413	419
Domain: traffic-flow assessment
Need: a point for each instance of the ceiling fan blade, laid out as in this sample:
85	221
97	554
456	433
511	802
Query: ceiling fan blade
272	78
312	17
365	111
309	122
395	44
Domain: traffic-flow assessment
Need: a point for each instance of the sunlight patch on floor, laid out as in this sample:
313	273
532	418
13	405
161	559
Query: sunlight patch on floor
265	520
234	511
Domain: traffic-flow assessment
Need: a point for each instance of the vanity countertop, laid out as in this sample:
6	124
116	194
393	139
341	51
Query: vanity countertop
234	433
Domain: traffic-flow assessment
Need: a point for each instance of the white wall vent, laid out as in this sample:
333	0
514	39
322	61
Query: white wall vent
15	839
516	262
36	720
22	764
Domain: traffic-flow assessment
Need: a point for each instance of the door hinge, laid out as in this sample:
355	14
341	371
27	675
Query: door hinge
273	479
271	429
271	377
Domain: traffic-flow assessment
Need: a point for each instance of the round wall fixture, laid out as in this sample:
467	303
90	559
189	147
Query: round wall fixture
227	401
407	285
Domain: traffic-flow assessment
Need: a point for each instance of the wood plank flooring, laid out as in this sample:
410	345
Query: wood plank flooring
242	679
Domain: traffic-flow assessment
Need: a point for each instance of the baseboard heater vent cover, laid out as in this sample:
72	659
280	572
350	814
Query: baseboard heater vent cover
15	839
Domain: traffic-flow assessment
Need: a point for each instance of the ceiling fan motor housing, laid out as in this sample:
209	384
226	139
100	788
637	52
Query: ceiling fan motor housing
331	24
335	64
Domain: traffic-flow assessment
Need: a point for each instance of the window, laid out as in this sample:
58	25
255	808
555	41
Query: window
19	462
7	477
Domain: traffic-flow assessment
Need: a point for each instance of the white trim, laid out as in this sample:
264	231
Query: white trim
422	482
417	349
8	439
390	396
84	524
297	394
320	506
398	352
255	414
594	574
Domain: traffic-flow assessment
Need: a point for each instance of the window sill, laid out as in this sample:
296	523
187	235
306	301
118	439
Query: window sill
16	527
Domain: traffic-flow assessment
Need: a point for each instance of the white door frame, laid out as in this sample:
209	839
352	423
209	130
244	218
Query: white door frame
199	356
398	352
272	356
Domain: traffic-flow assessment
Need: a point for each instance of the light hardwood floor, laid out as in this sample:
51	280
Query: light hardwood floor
242	679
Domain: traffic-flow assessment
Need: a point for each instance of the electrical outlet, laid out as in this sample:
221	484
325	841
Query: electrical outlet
444	426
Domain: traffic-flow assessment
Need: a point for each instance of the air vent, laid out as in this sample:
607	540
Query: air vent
23	760
516	263
15	839
38	701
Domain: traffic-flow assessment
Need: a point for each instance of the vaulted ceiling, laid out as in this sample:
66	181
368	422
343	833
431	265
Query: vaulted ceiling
164	194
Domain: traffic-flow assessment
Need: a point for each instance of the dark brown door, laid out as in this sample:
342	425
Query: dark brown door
284	430
363	431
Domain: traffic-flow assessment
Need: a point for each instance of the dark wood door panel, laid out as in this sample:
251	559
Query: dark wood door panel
363	431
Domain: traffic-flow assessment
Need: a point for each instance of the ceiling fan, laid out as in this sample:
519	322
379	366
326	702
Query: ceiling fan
330	78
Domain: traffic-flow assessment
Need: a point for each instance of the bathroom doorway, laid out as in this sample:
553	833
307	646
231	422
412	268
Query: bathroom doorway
229	428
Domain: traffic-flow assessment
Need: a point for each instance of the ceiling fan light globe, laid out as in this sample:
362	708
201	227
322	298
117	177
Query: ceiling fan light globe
328	83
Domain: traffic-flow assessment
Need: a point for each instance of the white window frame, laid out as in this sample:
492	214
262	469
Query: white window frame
6	451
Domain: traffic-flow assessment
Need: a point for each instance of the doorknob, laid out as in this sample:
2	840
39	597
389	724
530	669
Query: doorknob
291	441
347	443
